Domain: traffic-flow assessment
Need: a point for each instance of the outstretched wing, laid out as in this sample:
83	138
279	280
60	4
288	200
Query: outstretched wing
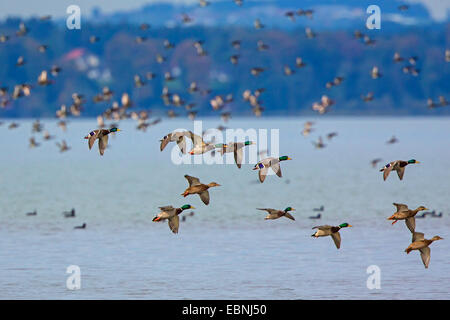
400	206
92	138
166	208
418	236
425	255
387	171
102	144
174	223
181	142
324	227
401	172
337	239
411	223
262	174
196	139
205	197
238	153
164	142
288	215
276	168
193	181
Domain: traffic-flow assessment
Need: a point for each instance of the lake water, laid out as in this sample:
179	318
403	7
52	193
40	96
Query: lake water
226	250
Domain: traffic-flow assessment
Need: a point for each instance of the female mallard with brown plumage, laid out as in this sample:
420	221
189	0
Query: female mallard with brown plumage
196	187
102	136
403	213
172	215
420	243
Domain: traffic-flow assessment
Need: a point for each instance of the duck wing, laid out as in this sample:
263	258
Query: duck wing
238	153
276	168
411	223
193	181
174	223
181	142
324	227
196	139
102	144
262	174
164	142
92	138
337	239
386	171
425	255
417	236
204	196
289	216
400	172
166	208
401	207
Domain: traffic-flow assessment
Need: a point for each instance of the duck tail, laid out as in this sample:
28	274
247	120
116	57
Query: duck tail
408	250
313	235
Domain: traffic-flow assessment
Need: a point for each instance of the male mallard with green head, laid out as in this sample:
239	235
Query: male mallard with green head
172	215
271	162
102	136
196	187
236	148
332	231
275	214
398	165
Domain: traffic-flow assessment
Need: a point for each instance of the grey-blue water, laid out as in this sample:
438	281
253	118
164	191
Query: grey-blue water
226	250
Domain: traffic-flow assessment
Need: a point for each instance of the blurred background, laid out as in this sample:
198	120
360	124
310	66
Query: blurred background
113	46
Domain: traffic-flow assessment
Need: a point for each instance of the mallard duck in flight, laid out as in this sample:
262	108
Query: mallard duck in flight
275	214
172	215
102	136
403	213
196	187
420	243
178	137
271	162
398	165
199	146
236	148
332	231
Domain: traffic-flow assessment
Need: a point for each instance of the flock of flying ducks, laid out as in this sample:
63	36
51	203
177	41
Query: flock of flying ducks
119	111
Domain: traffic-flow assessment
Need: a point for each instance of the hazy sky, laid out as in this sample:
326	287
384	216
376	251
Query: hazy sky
438	9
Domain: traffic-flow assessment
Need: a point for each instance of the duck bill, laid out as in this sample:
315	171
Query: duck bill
349	225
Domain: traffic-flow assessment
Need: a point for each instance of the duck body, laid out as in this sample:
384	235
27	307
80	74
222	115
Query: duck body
403	213
420	243
333	231
102	136
275	214
397	165
236	148
196	187
272	163
172	215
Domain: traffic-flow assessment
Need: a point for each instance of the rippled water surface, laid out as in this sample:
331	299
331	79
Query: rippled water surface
226	250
